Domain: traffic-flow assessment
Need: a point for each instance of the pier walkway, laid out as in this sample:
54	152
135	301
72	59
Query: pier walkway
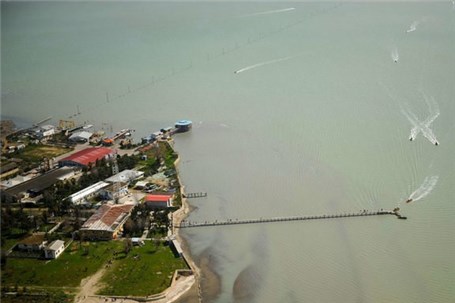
365	213
121	133
195	195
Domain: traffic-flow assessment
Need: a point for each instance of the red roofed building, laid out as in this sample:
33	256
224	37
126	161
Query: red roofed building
158	201
107	222
86	156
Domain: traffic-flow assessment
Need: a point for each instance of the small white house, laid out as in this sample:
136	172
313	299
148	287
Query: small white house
53	250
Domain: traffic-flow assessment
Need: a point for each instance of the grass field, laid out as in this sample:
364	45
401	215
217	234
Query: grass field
36	153
144	271
68	270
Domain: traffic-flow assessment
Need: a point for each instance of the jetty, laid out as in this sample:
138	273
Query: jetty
364	213
195	195
121	134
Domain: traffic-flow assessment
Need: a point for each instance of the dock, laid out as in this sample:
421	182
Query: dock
195	195
365	213
121	134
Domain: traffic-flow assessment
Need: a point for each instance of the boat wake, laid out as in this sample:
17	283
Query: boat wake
269	12
412	27
423	127
427	186
395	56
261	64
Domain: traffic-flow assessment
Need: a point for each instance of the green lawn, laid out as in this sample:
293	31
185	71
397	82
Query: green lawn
145	271
67	271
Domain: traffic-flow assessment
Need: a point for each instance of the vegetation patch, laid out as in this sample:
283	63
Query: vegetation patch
146	270
36	153
35	295
79	261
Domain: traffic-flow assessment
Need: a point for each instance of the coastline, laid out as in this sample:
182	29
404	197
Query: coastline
177	218
203	275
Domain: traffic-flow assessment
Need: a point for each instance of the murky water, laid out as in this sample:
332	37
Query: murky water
312	124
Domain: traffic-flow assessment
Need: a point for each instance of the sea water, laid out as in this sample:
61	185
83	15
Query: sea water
312	125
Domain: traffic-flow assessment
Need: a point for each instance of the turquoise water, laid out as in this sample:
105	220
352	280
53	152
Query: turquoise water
312	125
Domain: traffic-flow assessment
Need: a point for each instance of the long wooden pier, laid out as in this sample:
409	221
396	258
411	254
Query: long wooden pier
365	213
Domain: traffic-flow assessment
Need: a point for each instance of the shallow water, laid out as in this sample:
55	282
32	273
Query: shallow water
320	132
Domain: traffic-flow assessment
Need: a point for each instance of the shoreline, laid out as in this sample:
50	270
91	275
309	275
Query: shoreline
177	218
203	274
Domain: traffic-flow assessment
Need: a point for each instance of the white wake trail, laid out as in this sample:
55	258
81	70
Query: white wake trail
261	64
395	56
427	186
412	27
277	11
433	108
420	127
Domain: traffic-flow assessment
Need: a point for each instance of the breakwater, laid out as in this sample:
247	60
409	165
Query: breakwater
364	213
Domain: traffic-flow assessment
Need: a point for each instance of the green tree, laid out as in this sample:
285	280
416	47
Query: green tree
127	245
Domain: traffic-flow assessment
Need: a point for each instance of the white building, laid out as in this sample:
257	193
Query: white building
87	193
82	136
53	250
46	131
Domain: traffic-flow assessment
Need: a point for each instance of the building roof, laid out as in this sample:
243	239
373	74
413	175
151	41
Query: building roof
121	186
108	217
83	135
140	184
125	176
157	198
39	183
183	123
88	155
55	245
7	167
14	181
35	239
87	191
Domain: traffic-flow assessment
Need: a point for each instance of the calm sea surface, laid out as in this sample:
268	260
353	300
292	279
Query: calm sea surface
310	124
